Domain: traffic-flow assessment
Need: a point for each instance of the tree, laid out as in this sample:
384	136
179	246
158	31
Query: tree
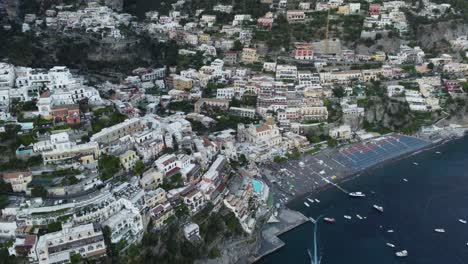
39	191
338	92
76	258
332	142
108	166
139	167
238	45
54	227
430	66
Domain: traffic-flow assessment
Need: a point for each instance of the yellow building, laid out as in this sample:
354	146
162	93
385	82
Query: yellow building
182	83
160	214
19	180
155	197
204	38
379	56
249	55
128	159
344	10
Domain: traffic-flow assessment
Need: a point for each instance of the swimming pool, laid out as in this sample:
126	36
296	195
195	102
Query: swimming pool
257	186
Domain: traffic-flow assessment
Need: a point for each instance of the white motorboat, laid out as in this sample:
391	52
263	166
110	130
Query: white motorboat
463	221
406	180
402	253
439	230
360	217
306	204
357	194
378	208
317	200
390	245
347	217
310	200
390	231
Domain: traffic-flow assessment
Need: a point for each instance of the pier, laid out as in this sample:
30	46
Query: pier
288	220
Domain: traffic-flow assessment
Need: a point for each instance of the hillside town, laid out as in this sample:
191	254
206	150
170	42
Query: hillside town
169	161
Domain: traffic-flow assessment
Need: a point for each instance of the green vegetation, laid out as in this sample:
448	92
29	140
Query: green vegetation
280	34
173	182
106	117
190	61
227	121
210	89
214	253
60	173
332	142
246	101
54	227
181	106
139	168
39	191
16	164
312	151
108	166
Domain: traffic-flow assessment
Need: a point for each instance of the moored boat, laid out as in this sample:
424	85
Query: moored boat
439	230
378	208
329	220
463	221
390	245
402	253
347	217
306	204
357	194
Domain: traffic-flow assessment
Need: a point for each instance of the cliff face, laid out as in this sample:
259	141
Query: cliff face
438	34
12	9
390	114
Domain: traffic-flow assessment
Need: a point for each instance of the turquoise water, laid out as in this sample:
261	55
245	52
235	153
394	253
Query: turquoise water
435	195
257	186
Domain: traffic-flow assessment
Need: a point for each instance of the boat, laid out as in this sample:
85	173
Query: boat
360	217
402	253
378	208
390	245
317	200
306	204
310	200
405	180
415	163
438	152
347	217
329	220
357	194
439	230
390	231
463	221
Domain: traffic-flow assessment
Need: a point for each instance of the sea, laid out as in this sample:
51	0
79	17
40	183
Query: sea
434	195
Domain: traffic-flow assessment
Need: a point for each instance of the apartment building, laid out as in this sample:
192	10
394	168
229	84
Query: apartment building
57	247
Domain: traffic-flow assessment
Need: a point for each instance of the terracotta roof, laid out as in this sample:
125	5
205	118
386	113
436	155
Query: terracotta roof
263	128
16	174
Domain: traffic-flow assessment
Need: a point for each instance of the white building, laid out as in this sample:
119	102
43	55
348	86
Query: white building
126	224
57	247
286	72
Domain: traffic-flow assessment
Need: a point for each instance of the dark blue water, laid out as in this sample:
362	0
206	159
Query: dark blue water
435	196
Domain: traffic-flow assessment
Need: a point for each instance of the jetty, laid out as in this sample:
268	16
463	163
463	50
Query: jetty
288	220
